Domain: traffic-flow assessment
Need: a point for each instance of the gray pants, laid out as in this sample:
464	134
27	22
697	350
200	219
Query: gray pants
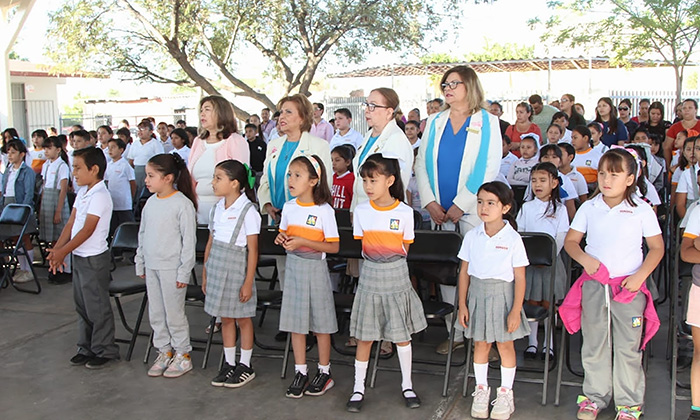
166	311
621	375
95	318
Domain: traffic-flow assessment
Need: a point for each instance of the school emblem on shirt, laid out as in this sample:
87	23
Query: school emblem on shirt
394	224
589	162
636	321
311	220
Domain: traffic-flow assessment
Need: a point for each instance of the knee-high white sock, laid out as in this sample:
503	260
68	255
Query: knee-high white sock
405	354
230	355
507	377
481	373
245	356
360	375
534	325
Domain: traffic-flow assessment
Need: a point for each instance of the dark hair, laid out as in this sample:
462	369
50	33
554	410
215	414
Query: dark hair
93	156
64	140
119	142
377	163
125	132
507	139
347	152
57	143
498	104
414	123
40	133
657	105
321	191
82	134
93	134
505	196
162	123
236	171
16	144
191	131
180	132
173	164
319	106
597	125
344	111
107	128
641	180
682	161
554	148
620	160
439	101
12	132
181	122
535	99
612	123
528	108
225	117
569	150
146	123
554	198
641	130
641	101
626	101
250	125
530	136
584	131
560	114
694	102
561	129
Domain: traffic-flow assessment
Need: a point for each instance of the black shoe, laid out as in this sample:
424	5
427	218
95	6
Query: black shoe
355	406
694	415
544	354
530	355
100	363
411	402
296	389
281	336
225	373
63	278
321	383
241	375
80	359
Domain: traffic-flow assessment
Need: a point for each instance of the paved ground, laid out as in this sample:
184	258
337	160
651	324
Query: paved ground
37	337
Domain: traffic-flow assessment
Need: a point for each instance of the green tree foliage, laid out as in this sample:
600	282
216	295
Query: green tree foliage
628	29
203	42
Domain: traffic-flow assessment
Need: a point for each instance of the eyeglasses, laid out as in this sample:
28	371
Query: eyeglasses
622	108
452	85
564	100
372	107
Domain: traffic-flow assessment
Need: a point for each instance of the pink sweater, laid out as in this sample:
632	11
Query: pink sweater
235	148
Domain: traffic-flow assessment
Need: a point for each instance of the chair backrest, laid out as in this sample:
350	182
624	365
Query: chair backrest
266	241
126	237
541	248
417	220
349	246
433	256
15	214
342	218
202	239
519	194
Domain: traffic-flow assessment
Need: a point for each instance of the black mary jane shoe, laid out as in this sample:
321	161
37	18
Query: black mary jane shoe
530	355
355	406
411	402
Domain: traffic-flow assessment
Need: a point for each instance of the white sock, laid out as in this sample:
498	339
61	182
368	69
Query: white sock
324	368
481	373
245	356
405	361
303	369
507	377
534	325
360	375
25	262
230	355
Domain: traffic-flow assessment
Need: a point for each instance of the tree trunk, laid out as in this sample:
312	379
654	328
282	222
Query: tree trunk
679	82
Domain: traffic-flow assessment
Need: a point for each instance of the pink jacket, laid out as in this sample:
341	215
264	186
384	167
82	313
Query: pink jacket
235	148
570	310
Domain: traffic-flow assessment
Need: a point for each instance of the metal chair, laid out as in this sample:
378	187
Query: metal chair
679	330
14	221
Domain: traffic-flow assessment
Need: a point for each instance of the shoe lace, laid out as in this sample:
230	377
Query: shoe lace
501	399
298	380
480	394
162	357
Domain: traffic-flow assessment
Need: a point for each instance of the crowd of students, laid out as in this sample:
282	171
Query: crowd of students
462	168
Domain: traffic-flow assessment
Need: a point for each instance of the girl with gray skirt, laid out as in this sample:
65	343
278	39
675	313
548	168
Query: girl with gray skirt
491	293
230	260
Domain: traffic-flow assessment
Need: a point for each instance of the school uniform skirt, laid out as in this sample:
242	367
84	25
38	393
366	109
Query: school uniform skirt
386	307
31	226
307	300
49	231
538	281
226	271
489	302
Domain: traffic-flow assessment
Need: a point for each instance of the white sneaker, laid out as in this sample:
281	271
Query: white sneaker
480	402
181	364
161	364
23	276
503	405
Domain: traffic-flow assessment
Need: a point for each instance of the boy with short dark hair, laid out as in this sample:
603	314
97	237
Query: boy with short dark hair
121	183
85	235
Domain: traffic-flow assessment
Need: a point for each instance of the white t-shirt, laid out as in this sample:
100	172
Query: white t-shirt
506	163
95	201
167	145
587	164
687	183
535	216
351	137
692	229
652	194
566	185
309	221
117	176
600	148
184	153
614	235
493	257
140	153
11	179
578	181
52	170
225	220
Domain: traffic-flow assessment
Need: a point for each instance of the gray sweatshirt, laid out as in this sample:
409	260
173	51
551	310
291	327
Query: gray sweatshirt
167	236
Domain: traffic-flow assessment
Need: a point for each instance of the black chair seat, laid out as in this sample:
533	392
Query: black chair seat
194	293
433	309
127	286
343	302
269	297
535	313
267	262
685	269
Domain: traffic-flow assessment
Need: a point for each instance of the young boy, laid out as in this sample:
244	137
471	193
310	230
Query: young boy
507	157
412	129
85	235
586	159
121	183
257	147
567	156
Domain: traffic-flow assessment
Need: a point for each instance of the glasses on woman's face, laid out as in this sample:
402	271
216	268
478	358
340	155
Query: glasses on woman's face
371	107
452	85
622	108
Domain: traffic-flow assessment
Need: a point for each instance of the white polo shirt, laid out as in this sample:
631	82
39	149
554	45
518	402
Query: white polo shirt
566	185
95	201
692	229
140	153
117	176
578	181
536	216
351	137
687	183
52	170
493	257
184	153
614	235
225	219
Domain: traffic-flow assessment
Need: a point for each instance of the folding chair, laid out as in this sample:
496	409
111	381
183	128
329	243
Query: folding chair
270	298
126	238
682	272
14	221
350	248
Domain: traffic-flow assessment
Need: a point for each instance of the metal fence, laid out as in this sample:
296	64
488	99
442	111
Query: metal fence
354	104
666	97
30	115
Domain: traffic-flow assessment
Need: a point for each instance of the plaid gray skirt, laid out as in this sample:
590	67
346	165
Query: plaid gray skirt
48	230
307	300
226	271
15	230
386	307
489	302
538	279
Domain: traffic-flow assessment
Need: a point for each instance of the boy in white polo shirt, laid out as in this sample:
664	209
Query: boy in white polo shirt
121	183
85	235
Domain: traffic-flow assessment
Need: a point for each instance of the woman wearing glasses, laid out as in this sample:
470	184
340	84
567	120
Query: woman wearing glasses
568	105
624	114
461	149
384	136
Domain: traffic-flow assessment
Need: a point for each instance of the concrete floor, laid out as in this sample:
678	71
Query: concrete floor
37	337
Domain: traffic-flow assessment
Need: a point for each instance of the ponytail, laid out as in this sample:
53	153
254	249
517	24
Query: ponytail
57	143
237	171
168	164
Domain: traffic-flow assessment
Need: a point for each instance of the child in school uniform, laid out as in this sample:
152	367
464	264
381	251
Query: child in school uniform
610	302
596	135
586	159
567	191
169	217
690	252
567	157
491	292
687	191
507	158
546	214
685	161
230	260
343	177
385	226
519	172
308	231
181	143
121	183
142	150
54	212
85	235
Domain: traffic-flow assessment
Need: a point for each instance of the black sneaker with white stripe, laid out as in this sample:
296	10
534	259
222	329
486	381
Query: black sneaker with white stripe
298	386
241	375
321	383
225	373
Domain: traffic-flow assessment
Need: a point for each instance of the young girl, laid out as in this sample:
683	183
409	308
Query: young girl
567	190
18	187
343	178
181	143
687	190
104	135
567	157
519	173
545	214
554	134
165	257
230	260
678	143
645	189
604	302
385	226
308	231
690	252
686	160
54	212
596	135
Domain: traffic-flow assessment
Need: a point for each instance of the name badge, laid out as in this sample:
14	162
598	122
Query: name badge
473	130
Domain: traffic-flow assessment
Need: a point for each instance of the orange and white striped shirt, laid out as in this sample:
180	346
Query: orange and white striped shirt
309	221
586	163
384	231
